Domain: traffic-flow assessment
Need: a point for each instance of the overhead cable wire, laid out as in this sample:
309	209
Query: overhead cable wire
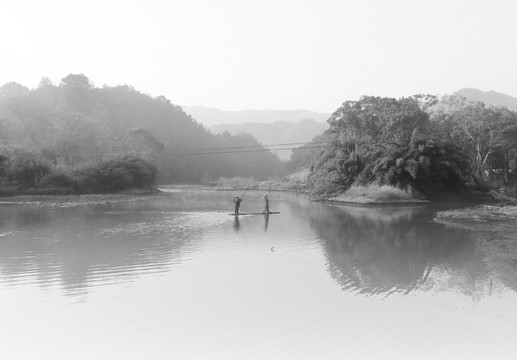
245	151
233	149
248	146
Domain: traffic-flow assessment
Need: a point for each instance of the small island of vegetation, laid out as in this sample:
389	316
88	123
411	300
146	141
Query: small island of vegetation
415	148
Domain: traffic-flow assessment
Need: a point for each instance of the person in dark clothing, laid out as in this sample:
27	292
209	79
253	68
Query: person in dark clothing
237	200
266	208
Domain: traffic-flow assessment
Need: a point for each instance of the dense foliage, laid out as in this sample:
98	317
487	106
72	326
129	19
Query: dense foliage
78	124
487	135
411	143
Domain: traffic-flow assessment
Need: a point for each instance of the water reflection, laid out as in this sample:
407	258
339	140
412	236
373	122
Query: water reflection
80	247
395	249
368	250
236	224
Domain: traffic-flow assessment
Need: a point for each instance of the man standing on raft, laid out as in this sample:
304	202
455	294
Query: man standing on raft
237	200
266	209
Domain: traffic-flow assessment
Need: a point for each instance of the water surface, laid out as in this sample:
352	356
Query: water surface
176	277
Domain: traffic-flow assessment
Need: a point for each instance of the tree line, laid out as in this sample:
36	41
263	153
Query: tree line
423	143
74	129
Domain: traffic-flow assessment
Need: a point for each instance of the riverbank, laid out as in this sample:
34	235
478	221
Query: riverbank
16	191
375	195
358	195
499	219
70	200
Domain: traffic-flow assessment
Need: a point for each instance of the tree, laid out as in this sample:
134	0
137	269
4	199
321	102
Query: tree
12	89
484	133
143	144
375	119
77	93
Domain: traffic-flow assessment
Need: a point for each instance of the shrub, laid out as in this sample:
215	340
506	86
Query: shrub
32	174
26	172
116	175
59	180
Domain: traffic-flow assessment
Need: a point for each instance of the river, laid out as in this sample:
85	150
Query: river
173	276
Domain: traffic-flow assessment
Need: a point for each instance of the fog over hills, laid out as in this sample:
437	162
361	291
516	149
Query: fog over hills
489	98
267	126
278	132
271	127
77	123
210	116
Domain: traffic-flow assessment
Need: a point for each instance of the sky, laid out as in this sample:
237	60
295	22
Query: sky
279	54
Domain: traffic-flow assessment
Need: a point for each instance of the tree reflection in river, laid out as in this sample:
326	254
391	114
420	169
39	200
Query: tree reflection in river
83	246
369	250
396	249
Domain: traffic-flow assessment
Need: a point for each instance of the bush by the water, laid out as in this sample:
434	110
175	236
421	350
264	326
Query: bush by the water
30	175
116	175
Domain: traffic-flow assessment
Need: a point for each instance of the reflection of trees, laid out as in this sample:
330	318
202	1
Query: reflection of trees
381	250
500	253
81	247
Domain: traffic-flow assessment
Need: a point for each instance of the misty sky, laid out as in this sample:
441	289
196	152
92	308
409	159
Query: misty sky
264	54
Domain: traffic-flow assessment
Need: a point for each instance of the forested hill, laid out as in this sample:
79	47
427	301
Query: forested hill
76	122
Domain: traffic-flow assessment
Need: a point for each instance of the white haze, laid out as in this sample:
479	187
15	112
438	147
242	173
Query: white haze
280	54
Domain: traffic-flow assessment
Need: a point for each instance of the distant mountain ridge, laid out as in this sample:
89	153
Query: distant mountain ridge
489	98
210	116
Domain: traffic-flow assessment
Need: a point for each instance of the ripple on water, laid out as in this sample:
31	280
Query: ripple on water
169	223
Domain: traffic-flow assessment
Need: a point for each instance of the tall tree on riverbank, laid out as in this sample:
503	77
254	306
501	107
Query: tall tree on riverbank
486	134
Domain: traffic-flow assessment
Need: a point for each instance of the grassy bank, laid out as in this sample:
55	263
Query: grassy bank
371	194
375	194
363	195
501	218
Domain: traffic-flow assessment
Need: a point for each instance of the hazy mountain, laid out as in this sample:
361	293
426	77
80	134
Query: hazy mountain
489	98
76	123
210	116
278	132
